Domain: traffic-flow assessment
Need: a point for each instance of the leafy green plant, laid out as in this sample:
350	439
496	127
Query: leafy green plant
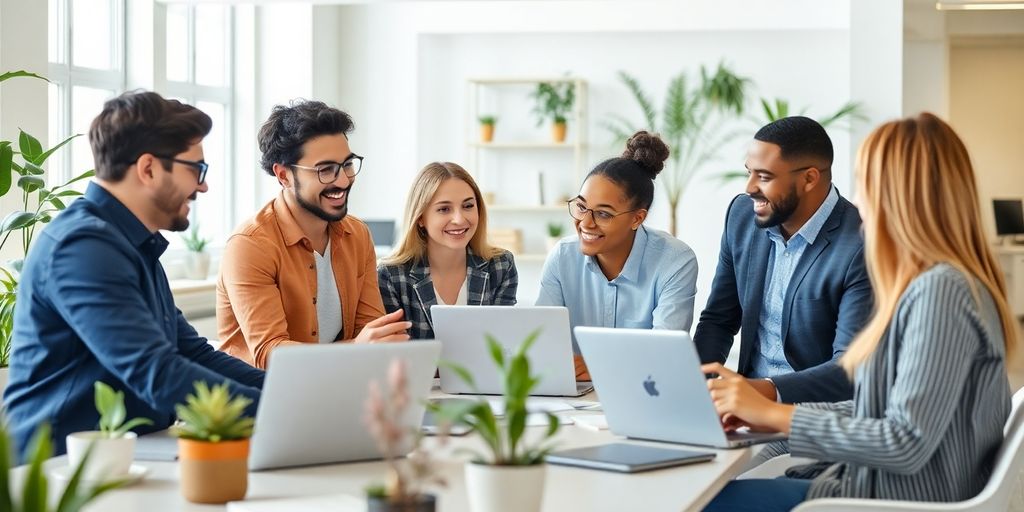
555	229
193	241
110	405
488	120
34	492
39	204
692	124
212	415
554	101
504	436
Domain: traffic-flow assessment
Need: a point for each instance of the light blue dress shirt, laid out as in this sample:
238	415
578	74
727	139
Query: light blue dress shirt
769	359
656	288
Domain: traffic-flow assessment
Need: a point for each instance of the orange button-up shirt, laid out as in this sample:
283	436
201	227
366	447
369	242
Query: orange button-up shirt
266	292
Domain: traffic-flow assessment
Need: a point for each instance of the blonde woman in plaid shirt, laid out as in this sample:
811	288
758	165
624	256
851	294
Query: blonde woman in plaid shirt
444	257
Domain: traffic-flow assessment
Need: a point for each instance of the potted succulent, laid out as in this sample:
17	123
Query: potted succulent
197	260
555	232
112	446
213	444
487	128
554	101
510	476
407	477
34	485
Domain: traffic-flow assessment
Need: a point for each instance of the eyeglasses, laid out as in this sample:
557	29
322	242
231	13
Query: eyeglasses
579	211
328	173
199	166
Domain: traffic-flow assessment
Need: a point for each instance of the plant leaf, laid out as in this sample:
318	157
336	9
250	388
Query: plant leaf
6	461
38	160
30	183
29	145
16	220
12	74
6	161
460	371
646	106
34	494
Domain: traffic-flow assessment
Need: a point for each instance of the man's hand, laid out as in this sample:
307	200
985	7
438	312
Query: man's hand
389	327
738	403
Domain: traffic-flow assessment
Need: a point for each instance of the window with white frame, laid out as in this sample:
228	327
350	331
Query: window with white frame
86	68
198	60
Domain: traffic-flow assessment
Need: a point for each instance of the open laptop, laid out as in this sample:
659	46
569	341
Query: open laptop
462	331
650	387
311	408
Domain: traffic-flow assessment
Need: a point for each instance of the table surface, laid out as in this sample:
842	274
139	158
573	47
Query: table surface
566	488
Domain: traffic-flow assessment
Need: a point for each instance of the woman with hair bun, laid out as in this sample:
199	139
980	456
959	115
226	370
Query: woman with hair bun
616	272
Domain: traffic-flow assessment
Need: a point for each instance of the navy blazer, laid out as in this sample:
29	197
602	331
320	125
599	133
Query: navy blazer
827	302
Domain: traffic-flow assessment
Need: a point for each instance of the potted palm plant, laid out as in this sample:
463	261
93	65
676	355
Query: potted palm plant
487	127
554	101
404	489
509	476
213	444
113	445
197	260
555	232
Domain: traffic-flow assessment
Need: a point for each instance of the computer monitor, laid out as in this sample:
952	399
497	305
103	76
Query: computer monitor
1009	214
383	232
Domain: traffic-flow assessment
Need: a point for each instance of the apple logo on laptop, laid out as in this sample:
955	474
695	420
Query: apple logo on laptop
649	387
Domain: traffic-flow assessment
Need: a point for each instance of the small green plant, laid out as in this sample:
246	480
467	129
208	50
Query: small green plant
504	437
488	120
193	241
554	101
555	229
211	415
110	405
34	496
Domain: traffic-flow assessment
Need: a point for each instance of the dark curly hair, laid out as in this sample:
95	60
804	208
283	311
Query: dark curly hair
289	127
637	168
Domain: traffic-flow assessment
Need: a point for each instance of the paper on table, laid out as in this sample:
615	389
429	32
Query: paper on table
591	421
329	503
533	405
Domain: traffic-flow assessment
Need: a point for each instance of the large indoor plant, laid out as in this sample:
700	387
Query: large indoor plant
554	101
213	444
509	476
693	125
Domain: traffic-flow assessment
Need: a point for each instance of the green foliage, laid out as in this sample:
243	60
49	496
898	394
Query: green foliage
554	101
35	487
110	405
490	120
555	229
193	241
503	437
211	415
21	164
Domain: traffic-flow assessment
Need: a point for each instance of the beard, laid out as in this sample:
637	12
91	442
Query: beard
781	211
168	203
314	208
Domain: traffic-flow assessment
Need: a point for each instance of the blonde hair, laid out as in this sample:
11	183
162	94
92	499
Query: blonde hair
413	246
919	201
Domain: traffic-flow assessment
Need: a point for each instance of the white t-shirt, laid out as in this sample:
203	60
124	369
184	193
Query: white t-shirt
328	303
461	300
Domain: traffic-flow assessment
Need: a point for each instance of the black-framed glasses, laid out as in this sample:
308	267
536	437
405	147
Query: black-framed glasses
328	173
199	165
579	211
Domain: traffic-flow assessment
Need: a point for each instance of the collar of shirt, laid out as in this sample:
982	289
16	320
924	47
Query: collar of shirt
421	266
290	229
119	215
810	230
631	270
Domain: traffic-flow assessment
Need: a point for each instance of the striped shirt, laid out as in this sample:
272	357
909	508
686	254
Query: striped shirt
929	405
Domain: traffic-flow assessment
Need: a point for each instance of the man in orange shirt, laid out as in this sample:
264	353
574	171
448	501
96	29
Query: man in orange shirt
301	270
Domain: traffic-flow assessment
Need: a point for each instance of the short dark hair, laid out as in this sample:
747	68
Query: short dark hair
139	122
799	137
636	169
289	127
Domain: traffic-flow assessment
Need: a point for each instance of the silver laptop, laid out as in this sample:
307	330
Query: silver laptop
650	387
311	408
462	331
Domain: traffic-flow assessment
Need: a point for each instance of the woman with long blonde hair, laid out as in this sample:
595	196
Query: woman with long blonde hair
444	257
929	369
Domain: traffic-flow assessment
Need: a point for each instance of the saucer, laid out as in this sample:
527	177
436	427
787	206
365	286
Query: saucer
135	474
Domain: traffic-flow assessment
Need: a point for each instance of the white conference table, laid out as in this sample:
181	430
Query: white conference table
566	488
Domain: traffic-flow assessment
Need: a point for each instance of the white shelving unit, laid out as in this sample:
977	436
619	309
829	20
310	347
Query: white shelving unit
527	174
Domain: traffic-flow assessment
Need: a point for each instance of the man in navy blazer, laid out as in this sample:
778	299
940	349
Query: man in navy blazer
791	275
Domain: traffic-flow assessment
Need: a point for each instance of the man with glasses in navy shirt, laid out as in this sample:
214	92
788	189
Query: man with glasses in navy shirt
94	303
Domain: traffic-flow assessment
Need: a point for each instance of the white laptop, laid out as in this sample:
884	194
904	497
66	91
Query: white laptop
311	408
462	331
650	387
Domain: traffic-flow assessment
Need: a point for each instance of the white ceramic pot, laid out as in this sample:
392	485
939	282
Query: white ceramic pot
197	265
3	380
505	488
110	458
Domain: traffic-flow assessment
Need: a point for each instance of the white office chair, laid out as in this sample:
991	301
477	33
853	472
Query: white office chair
994	497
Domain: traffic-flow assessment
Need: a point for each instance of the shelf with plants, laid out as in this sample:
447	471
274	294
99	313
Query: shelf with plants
526	162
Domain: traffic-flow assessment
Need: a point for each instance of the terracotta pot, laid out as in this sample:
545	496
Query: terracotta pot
213	472
422	503
504	488
486	132
558	132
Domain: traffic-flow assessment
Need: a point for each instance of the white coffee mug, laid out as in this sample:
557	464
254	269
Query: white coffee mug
110	459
